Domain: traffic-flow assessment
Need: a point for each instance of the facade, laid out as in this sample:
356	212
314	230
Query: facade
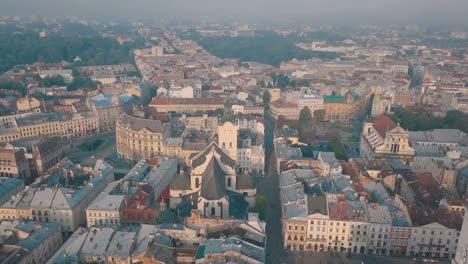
285	109
62	205
13	162
381	104
53	124
382	138
138	138
461	257
187	105
109	108
344	108
201	122
227	139
312	101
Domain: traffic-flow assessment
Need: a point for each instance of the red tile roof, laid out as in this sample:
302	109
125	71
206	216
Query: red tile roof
382	124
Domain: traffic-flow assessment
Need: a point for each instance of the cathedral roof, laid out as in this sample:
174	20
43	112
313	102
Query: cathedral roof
382	124
213	185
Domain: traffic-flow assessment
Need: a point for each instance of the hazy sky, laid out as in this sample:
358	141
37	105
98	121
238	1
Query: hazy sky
402	11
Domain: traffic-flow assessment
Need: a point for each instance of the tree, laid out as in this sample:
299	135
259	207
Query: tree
50	81
266	97
261	205
305	116
319	115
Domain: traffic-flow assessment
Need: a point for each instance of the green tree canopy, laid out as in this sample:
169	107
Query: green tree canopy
50	81
261	206
319	115
305	116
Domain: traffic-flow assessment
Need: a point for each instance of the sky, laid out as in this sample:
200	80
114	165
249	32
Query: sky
372	11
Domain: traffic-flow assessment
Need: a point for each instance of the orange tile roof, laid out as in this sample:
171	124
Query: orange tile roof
382	124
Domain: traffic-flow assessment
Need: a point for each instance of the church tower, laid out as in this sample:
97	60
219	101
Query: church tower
227	139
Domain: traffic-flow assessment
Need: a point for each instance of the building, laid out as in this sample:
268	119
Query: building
9	187
251	154
344	107
227	139
211	179
62	205
43	153
436	232
66	74
309	99
381	138
28	104
438	137
138	138
52	124
207	123
109	108
187	105
13	162
461	257
381	104
329	164
25	242
285	109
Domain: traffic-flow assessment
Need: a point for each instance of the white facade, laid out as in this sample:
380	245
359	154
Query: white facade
461	256
227	139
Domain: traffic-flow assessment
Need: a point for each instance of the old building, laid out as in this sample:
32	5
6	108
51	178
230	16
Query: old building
139	138
381	138
13	162
62	205
25	242
42	153
344	107
285	109
109	108
212	178
187	105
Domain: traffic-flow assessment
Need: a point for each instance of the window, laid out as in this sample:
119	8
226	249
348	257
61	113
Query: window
197	183
229	182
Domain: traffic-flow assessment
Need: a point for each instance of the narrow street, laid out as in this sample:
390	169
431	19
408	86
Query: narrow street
269	188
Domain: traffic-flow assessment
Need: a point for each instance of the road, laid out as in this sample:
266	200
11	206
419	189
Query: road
269	187
106	149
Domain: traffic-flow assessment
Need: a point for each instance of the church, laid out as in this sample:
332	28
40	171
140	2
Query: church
381	138
212	185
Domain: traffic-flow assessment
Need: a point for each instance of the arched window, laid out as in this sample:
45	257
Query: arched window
213	211
197	183
229	182
368	130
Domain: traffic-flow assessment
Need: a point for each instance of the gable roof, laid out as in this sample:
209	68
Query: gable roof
138	124
200	158
213	185
382	124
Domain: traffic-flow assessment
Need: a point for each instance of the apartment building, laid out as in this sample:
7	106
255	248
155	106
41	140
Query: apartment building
287	110
62	205
25	242
187	105
138	138
13	162
9	187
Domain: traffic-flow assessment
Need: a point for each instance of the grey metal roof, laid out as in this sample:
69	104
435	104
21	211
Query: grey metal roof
213	186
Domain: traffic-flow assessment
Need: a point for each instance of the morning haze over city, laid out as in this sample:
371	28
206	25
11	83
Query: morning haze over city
261	131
